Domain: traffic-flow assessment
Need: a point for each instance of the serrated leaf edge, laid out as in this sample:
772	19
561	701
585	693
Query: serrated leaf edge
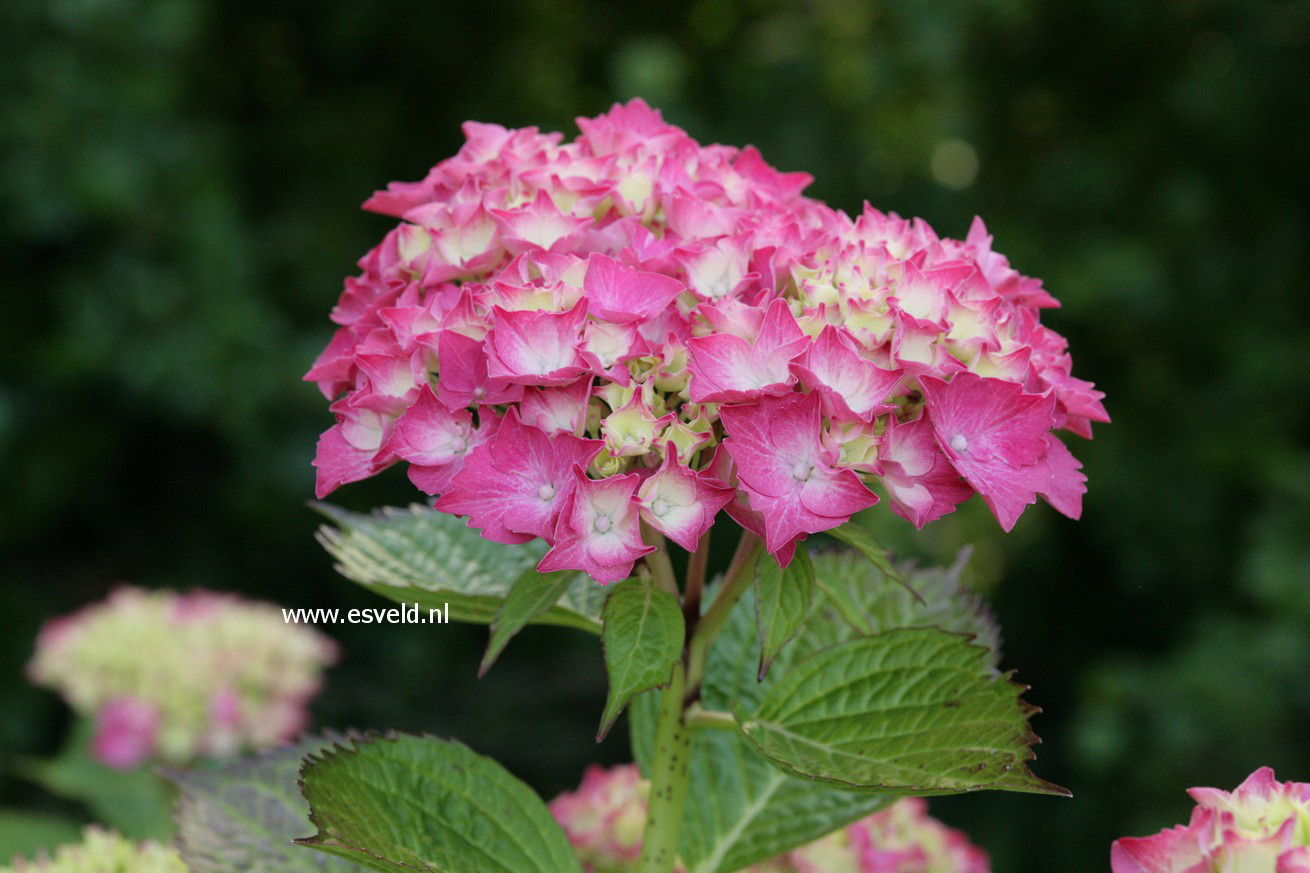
1027	741
317	841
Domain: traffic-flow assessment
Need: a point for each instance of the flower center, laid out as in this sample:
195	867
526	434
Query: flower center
458	445
959	443
802	470
546	492
660	506
601	524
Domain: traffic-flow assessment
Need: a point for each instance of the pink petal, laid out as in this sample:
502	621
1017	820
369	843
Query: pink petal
727	369
852	387
536	347
125	733
514	486
621	294
679	503
599	531
462	374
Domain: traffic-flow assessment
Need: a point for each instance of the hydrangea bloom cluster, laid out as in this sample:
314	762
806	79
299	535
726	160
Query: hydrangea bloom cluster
604	819
1262	827
103	851
901	839
180	676
568	340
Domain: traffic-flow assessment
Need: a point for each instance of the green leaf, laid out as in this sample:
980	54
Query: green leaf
532	595
244	815
741	809
24	834
867	600
403	803
136	802
782	602
909	711
419	555
863	542
643	638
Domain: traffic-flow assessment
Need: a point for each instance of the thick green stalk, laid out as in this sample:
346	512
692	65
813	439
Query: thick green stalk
668	790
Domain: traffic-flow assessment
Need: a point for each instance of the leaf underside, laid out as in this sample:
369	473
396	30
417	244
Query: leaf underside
419	555
245	815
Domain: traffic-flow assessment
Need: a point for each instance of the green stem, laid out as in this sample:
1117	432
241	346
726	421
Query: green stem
697	562
668	790
741	575
700	718
661	566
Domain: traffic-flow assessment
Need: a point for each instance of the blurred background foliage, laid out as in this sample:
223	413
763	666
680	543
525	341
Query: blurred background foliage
180	182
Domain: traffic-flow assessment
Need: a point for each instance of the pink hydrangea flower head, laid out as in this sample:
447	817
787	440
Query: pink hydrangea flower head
176	677
633	287
1263	825
605	817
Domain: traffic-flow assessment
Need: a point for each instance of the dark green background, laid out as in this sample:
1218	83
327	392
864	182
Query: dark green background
179	185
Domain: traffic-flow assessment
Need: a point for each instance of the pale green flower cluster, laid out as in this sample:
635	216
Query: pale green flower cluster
103	851
180	676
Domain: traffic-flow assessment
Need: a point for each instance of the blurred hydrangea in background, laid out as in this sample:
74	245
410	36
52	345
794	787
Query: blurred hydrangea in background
103	851
178	677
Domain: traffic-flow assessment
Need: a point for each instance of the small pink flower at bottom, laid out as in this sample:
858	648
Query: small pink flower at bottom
1262	826
599	531
604	818
125	733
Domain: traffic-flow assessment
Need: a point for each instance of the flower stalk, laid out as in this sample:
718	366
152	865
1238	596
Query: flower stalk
740	576
669	772
680	710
